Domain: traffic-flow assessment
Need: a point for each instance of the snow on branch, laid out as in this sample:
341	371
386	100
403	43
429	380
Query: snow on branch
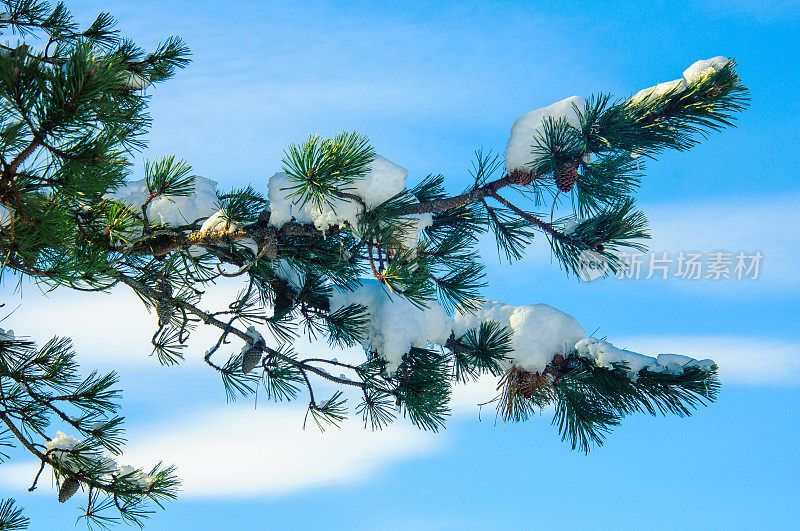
539	332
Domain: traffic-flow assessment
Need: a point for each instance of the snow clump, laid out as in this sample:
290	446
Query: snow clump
60	446
134	476
527	128
656	92
136	81
604	354
171	210
691	75
700	68
539	331
383	180
410	236
395	325
218	221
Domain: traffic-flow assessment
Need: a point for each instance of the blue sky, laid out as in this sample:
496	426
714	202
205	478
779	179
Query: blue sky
429	84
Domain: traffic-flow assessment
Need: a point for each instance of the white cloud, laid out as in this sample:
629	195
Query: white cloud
239	451
236	451
19	476
107	330
769	225
747	361
466	399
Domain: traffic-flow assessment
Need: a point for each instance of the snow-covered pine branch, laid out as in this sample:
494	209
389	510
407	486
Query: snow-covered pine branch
341	245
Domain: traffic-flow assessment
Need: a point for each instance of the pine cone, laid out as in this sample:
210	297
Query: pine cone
521	177
567	176
68	488
252	356
165	308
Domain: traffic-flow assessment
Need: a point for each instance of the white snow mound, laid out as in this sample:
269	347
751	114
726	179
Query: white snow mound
528	126
539	331
384	180
171	210
395	324
698	69
653	93
606	355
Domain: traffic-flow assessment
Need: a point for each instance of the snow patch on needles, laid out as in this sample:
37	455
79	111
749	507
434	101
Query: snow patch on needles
60	446
384	180
395	324
691	75
527	128
253	334
656	92
539	331
136	81
218	221
706	66
171	210
61	442
604	354
134	475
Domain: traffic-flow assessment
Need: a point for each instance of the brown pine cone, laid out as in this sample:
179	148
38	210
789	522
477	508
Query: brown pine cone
567	176
521	177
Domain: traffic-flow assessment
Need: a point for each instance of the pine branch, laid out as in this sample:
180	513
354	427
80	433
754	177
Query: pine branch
77	115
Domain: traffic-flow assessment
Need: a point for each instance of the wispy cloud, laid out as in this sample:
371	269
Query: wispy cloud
236	451
769	225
